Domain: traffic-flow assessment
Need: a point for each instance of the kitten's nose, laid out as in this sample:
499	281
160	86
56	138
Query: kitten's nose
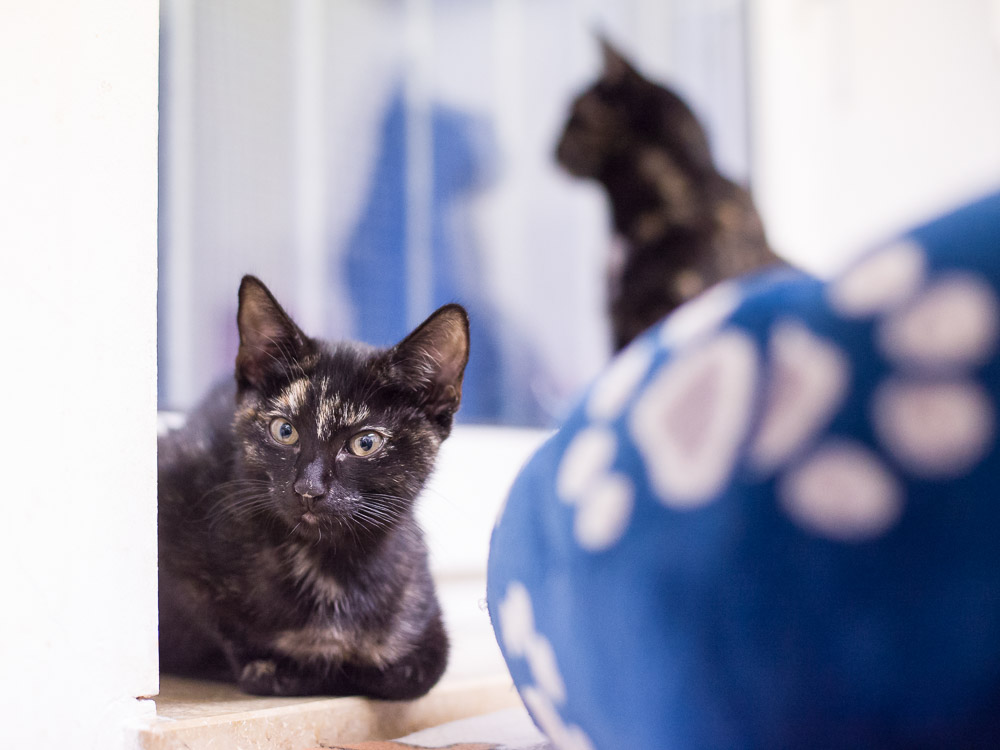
307	490
310	483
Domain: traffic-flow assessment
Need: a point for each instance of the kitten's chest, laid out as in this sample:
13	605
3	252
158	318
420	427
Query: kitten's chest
302	573
326	617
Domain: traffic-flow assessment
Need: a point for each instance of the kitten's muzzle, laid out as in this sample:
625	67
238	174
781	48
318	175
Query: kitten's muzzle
310	483
307	505
308	502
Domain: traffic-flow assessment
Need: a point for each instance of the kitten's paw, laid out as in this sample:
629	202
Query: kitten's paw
267	677
259	677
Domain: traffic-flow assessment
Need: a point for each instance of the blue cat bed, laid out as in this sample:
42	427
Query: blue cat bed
773	521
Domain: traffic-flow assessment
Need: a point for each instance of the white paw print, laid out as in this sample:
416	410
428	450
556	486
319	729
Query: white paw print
517	620
953	323
692	418
588	456
808	381
603	498
517	628
934	419
702	315
613	389
842	491
879	282
563	736
604	513
935	429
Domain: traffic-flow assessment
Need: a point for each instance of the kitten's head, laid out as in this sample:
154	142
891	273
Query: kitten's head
623	113
344	435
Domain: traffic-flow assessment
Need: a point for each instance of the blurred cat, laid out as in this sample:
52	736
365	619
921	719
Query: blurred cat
681	225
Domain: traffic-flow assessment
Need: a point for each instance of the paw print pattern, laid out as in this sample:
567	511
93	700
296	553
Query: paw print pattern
710	382
517	624
807	384
934	429
691	420
587	458
880	282
701	316
563	737
842	491
952	324
614	388
839	489
522	641
602	497
932	418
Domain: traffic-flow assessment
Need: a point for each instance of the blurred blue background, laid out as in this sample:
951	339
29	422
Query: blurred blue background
371	160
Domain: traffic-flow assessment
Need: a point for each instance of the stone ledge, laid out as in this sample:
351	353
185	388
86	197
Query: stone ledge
197	715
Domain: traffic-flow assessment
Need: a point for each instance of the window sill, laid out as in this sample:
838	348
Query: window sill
195	716
198	715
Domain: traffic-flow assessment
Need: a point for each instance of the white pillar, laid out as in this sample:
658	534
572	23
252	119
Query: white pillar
78	370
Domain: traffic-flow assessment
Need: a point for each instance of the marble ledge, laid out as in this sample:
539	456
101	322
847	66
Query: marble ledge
197	715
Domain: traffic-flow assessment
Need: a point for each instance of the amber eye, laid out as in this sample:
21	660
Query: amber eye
366	443
283	431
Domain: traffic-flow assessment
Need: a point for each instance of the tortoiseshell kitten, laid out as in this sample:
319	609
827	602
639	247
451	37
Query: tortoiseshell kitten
290	559
681	225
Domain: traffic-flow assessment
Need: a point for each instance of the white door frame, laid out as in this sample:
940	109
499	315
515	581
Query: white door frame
78	195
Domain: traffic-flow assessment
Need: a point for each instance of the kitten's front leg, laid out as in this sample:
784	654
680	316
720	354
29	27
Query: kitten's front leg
409	678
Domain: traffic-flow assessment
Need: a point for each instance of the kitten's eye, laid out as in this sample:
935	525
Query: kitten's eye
366	443
283	431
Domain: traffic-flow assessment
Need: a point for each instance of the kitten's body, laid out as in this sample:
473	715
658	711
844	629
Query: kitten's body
298	568
681	225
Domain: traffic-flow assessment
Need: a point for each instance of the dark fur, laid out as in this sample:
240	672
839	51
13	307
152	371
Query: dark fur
300	569
683	225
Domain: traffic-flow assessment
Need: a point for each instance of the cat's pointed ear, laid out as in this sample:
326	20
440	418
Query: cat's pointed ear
270	341
433	358
616	67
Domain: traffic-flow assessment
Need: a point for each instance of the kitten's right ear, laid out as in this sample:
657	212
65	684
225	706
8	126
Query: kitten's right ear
269	339
616	67
432	360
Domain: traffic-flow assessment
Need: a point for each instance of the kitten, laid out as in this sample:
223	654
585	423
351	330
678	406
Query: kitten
290	559
682	226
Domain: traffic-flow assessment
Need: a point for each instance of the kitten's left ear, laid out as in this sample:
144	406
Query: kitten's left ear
616	67
433	359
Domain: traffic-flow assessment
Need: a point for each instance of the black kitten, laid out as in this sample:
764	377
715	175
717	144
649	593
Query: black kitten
290	559
683	226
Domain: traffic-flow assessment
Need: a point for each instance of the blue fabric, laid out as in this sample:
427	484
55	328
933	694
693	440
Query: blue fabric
774	521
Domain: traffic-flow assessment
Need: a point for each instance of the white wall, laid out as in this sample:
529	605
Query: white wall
869	115
78	85
475	470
